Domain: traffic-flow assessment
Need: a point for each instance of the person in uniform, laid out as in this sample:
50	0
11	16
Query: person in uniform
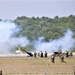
41	55
53	58
38	54
45	55
71	54
62	57
35	54
67	54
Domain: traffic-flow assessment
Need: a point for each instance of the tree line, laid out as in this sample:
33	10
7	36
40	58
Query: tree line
49	28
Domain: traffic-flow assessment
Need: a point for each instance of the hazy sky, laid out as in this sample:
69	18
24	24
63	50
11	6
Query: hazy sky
11	9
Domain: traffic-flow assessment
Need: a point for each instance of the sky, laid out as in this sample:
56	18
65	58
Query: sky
11	9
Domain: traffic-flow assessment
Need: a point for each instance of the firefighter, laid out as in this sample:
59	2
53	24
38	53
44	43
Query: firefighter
45	55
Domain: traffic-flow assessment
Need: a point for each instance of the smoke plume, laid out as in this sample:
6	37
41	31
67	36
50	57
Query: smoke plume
64	43
6	42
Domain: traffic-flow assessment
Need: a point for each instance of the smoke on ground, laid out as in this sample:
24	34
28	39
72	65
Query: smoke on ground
6	42
64	43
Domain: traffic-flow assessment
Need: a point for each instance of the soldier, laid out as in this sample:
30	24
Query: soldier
45	54
67	54
71	54
59	53
41	55
62	57
35	54
53	58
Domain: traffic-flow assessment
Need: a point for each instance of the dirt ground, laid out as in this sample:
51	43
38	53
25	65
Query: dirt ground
36	66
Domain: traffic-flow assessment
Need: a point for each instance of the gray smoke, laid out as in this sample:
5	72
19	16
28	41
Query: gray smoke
65	43
6	42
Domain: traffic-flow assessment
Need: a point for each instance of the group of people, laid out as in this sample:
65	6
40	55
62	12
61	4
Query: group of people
40	54
53	55
68	54
61	55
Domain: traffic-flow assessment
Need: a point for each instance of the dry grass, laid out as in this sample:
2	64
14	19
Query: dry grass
36	66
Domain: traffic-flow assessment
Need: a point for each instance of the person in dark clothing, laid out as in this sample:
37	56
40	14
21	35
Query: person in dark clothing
41	55
67	54
45	54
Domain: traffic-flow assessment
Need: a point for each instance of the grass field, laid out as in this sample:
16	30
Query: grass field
36	66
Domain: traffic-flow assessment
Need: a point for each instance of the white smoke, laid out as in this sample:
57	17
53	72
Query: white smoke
65	43
6	42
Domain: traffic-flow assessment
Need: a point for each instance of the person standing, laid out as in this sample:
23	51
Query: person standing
41	55
35	54
45	55
38	54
